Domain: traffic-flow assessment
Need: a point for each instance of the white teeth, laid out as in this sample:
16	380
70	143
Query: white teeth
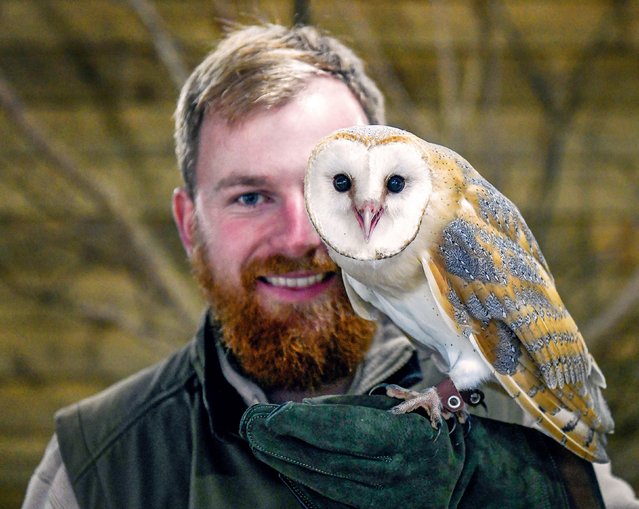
295	282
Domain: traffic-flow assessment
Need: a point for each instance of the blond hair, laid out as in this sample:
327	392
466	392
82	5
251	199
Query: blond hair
261	67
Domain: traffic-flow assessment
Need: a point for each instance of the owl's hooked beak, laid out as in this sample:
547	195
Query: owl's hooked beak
368	217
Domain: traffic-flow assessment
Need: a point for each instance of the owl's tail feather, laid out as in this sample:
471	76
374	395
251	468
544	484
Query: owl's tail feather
593	386
581	425
575	414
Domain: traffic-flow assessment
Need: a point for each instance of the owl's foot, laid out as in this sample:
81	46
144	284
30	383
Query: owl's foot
441	401
428	400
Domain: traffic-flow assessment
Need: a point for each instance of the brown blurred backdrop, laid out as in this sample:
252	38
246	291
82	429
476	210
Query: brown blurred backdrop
541	97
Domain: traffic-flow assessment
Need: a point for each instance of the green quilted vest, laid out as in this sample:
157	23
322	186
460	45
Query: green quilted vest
192	456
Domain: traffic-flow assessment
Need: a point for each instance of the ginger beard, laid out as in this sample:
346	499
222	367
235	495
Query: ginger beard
287	346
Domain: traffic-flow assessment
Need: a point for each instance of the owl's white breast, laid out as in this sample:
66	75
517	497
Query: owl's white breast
417	313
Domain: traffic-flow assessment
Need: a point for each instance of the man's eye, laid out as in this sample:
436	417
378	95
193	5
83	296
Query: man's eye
250	199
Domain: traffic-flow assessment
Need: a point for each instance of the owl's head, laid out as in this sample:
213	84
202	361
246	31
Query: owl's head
366	189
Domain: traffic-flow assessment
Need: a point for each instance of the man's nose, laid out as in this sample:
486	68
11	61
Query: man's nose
296	235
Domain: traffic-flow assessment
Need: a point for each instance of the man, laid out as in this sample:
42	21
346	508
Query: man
280	326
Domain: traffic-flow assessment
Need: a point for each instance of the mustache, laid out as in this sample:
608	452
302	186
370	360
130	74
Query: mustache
317	262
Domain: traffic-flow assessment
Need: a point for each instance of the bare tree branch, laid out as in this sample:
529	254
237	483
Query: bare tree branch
617	310
490	54
461	84
102	315
140	244
302	12
560	109
164	43
388	78
448	71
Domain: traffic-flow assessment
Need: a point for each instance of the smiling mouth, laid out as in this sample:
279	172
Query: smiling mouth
295	282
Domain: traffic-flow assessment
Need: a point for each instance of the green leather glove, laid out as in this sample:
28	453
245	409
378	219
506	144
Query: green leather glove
349	451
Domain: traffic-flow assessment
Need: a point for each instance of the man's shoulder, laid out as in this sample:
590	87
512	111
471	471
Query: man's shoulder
100	420
141	389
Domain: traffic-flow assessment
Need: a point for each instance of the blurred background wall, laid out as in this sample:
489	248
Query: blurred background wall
542	97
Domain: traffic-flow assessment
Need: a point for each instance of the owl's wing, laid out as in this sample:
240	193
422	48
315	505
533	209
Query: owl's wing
496	279
361	307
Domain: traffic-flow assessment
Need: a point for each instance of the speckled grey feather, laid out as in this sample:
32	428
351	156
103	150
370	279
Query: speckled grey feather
507	351
464	256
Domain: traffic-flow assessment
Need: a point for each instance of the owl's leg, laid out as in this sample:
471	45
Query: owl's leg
428	400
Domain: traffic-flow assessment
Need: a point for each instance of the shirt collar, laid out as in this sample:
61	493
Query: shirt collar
223	403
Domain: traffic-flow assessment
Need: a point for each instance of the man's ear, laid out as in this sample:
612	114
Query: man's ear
183	210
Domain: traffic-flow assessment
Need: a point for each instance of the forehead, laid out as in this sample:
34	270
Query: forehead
275	142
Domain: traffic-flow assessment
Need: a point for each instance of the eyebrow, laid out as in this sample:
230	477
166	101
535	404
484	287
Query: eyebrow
240	180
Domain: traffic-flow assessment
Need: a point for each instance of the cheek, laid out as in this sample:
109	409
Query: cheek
237	242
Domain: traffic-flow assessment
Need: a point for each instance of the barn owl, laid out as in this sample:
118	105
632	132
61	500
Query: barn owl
422	237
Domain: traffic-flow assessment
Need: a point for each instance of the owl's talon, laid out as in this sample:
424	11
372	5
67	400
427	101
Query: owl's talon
469	427
462	416
378	389
428	400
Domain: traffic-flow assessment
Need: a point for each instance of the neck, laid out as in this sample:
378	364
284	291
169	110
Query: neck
282	395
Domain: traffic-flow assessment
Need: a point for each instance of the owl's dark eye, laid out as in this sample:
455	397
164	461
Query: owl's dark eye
395	184
341	183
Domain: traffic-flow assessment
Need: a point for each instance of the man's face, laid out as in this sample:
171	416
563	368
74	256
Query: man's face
254	249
